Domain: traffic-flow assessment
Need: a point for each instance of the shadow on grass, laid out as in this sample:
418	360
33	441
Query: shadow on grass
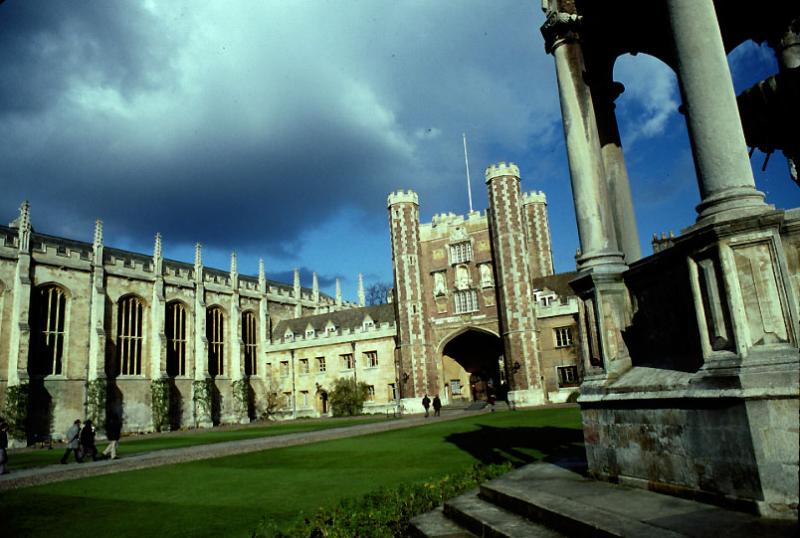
523	445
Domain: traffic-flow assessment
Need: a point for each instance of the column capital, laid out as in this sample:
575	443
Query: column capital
559	28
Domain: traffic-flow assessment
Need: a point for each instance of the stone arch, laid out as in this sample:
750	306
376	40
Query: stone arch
471	364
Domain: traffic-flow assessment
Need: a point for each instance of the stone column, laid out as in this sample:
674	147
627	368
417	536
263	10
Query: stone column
587	171
17	392
415	376
234	327
600	264
515	303
97	316
158	339
297	293
263	310
727	188
315	291
96	381
604	93
338	295
20	309
202	385
361	296
239	385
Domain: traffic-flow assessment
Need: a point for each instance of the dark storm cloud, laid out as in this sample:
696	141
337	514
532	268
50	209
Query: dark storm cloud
243	124
43	44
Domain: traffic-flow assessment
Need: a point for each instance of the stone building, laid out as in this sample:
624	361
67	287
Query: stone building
147	343
467	309
91	331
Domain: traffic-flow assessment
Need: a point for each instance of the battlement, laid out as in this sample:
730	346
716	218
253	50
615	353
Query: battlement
534	197
501	169
400	197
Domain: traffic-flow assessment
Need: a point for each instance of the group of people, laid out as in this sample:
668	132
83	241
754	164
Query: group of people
80	441
437	405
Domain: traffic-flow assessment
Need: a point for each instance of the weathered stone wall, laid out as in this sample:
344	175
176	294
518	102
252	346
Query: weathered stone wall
720	447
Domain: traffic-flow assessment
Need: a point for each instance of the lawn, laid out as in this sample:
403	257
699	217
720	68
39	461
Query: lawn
228	496
133	445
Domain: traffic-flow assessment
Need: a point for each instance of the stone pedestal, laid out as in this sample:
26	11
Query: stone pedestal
708	405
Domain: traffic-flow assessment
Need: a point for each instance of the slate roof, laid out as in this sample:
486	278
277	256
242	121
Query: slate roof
558	283
343	319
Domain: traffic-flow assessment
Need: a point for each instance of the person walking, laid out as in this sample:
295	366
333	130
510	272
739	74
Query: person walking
113	431
437	406
87	441
426	403
73	442
3	447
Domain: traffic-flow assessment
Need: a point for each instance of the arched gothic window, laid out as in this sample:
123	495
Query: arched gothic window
250	339
215	332
49	331
176	339
130	335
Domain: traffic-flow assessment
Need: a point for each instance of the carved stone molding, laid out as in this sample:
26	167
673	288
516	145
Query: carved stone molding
560	27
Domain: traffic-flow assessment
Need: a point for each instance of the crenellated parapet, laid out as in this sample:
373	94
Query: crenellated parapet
501	169
534	197
403	197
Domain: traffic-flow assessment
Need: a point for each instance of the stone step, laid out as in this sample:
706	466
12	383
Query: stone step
435	524
488	520
574	505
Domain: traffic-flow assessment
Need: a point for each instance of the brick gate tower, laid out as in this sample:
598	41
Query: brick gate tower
417	374
516	309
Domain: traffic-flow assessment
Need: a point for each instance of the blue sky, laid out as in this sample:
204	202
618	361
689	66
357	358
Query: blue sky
277	129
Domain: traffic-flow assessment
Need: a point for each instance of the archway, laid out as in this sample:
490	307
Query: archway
471	366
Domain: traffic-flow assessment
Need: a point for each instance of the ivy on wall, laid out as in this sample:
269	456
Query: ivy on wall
160	394
15	409
241	395
202	395
96	397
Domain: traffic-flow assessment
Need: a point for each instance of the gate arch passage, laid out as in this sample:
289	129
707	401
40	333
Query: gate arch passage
471	365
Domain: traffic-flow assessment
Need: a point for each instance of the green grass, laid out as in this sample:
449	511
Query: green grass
228	496
131	445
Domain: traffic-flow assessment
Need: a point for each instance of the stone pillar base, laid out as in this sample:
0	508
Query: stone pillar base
526	398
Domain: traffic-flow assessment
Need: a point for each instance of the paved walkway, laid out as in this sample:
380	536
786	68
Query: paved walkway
58	473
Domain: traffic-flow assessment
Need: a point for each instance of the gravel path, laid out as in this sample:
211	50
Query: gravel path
73	471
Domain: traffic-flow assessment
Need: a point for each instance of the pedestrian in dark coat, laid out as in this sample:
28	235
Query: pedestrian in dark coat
3	447
87	441
437	406
426	403
73	442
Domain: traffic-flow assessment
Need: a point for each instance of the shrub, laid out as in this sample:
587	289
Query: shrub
347	397
385	512
15	409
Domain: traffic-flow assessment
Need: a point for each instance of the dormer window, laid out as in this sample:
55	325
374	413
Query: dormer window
367	324
310	332
288	335
330	328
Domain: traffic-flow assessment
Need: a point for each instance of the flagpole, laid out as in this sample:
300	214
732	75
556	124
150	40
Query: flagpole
466	164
